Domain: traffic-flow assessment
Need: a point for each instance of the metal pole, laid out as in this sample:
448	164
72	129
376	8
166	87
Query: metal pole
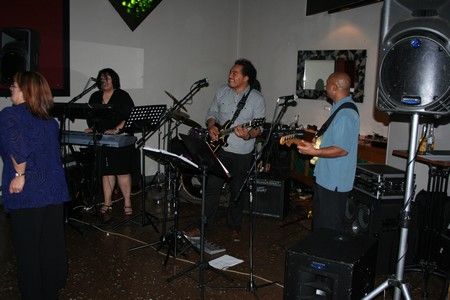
409	194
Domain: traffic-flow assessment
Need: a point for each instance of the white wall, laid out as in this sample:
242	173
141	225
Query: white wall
272	33
179	43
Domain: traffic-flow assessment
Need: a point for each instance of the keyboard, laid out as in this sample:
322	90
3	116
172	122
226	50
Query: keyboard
87	139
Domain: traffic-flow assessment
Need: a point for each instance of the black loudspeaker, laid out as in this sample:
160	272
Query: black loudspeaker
271	197
19	52
378	218
330	265
414	57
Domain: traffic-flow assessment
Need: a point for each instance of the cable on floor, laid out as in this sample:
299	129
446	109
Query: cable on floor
164	254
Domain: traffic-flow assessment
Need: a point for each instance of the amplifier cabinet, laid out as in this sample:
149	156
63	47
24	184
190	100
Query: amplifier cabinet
378	218
271	197
380	181
330	265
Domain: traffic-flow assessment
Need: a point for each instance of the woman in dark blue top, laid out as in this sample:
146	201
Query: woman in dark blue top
34	186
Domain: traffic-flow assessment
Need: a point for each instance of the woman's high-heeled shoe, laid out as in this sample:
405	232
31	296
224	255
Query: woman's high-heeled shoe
105	209
128	210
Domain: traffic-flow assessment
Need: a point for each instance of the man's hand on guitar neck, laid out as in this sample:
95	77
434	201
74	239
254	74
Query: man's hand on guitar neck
242	132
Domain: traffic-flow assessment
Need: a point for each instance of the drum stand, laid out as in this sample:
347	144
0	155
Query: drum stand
175	236
397	280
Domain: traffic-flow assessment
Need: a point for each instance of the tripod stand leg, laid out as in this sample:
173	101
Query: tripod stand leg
387	284
185	271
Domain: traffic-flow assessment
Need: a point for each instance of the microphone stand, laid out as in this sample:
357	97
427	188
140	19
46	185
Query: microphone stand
251	180
76	98
62	129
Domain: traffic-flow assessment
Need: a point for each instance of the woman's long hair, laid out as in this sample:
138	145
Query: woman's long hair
36	93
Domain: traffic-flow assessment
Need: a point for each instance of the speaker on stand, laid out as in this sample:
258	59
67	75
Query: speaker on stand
414	57
19	52
413	77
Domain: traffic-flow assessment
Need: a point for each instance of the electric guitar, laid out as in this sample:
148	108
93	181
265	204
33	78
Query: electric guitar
225	130
297	139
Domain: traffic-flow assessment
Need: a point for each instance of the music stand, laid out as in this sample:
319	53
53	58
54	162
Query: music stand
207	163
144	117
171	239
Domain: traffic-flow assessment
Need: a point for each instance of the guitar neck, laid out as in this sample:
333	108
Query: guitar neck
227	131
290	141
297	139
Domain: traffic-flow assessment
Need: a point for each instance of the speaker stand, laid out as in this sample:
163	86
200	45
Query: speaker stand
397	281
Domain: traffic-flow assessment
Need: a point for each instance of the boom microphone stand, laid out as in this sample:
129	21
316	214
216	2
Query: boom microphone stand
397	281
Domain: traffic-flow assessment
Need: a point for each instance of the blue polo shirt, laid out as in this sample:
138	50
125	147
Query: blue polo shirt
338	174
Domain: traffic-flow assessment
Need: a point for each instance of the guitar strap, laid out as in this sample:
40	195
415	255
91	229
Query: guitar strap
239	107
327	123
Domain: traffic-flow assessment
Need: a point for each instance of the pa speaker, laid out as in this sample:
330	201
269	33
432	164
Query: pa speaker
330	265
414	57
378	218
19	52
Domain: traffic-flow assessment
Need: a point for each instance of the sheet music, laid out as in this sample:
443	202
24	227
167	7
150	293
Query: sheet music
224	262
172	154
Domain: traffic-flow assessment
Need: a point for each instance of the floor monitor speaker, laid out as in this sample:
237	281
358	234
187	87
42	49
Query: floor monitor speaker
330	265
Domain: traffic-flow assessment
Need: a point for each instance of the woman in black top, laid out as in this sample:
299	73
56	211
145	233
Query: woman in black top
116	162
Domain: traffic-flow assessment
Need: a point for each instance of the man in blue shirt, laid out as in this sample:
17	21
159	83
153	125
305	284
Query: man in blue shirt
336	166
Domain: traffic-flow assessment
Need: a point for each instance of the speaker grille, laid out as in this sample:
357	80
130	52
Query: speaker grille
414	76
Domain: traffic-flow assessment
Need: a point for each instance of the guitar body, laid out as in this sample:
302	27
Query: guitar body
317	141
222	140
226	129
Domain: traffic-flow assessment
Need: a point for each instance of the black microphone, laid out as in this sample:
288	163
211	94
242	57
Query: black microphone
203	81
94	79
289	100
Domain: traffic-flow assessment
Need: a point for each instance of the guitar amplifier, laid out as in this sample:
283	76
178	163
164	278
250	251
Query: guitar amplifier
380	181
272	196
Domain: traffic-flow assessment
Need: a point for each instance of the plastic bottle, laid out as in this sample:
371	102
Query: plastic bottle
423	141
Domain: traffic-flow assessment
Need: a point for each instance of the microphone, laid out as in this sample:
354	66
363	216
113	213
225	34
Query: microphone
289	100
93	79
203	81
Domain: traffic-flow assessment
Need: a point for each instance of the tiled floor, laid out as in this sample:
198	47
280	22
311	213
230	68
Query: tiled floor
102	267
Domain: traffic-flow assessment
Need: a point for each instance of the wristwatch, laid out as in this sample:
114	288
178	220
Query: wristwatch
19	174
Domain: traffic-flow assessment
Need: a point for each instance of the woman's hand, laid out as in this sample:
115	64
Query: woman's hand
16	185
88	130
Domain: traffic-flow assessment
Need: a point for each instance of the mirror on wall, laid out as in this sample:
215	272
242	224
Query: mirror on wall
314	67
